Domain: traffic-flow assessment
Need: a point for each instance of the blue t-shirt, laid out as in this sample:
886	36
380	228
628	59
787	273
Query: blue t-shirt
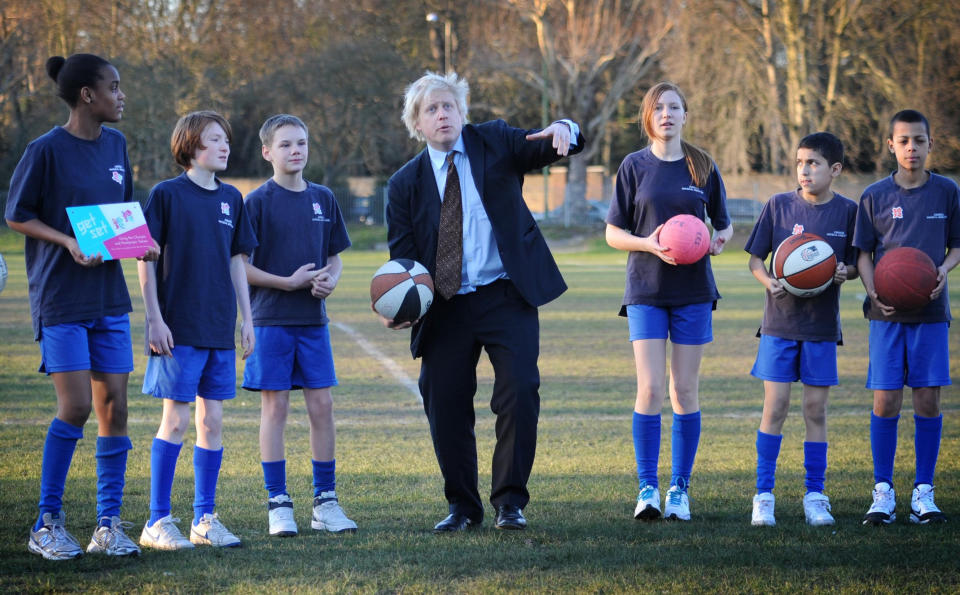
198	230
790	317
59	170
650	191
926	218
292	229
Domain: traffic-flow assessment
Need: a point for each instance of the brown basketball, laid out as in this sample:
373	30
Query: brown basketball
401	290
904	278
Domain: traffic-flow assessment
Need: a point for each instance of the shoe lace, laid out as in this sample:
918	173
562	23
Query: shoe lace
925	497
118	531
216	530
168	527
646	493
676	497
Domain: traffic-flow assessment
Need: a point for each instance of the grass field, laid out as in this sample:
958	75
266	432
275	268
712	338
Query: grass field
581	538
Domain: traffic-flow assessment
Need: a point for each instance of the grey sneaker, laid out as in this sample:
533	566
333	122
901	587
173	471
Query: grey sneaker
52	541
210	531
112	540
328	516
164	535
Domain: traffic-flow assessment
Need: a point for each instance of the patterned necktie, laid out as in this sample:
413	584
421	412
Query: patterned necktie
450	240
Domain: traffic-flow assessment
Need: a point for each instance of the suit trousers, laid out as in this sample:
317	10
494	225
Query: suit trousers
497	319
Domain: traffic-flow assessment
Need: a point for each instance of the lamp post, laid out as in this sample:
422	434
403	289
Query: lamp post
434	19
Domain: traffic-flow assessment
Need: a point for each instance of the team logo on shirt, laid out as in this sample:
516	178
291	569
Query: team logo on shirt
317	210
225	209
896	212
937	216
692	188
116	174
797	229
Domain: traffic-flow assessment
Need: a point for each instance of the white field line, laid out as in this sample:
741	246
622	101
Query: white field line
391	366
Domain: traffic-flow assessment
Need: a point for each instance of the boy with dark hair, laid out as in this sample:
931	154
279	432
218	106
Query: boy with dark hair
191	300
290	319
799	336
917	208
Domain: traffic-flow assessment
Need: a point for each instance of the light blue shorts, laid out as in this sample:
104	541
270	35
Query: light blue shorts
192	372
691	324
290	357
784	360
912	354
101	345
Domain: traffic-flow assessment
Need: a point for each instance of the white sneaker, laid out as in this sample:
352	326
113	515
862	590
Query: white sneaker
648	504
677	507
763	510
52	541
816	509
922	508
328	516
164	535
884	503
210	531
280	515
112	540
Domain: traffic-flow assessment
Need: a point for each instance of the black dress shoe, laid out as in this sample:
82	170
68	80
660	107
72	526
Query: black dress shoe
455	522
510	517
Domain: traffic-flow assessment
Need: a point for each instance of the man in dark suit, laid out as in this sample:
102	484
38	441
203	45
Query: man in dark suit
457	208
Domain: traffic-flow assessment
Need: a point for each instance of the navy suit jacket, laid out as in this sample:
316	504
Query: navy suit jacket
499	157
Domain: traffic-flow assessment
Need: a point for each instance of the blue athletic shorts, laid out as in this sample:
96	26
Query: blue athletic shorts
192	372
101	345
290	357
916	355
785	360
687	325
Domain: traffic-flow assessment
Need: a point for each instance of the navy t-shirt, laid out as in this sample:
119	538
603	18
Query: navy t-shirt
926	218
790	317
198	230
650	191
292	229
59	170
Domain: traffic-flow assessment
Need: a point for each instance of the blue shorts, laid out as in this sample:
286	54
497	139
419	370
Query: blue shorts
784	360
691	324
912	354
101	345
289	357
192	372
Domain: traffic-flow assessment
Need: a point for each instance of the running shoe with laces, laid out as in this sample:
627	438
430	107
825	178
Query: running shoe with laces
881	512
52	541
112	540
816	509
210	531
328	516
763	505
648	504
923	510
280	516
164	535
677	506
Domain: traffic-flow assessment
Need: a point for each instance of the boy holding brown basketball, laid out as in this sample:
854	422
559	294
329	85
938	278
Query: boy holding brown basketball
295	267
799	335
912	207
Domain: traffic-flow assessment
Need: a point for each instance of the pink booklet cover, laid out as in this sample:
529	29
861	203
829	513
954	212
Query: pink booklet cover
116	230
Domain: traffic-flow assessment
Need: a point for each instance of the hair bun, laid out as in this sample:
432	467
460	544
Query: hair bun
54	64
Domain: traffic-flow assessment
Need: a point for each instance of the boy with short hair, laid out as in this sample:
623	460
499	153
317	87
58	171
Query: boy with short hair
917	208
191	299
289	281
799	336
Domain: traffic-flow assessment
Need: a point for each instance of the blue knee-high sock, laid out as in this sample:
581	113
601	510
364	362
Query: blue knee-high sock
768	450
324	476
686	439
163	465
646	446
206	471
111	469
275	477
926	441
883	443
815	462
57	454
